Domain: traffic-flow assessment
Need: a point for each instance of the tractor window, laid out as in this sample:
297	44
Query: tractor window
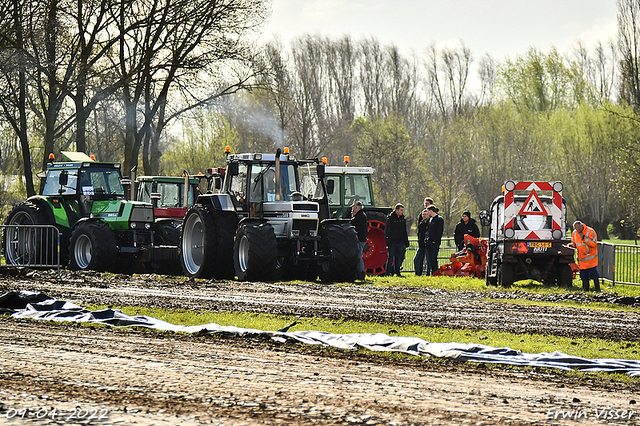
357	188
169	195
101	181
263	182
334	199
52	184
144	192
238	184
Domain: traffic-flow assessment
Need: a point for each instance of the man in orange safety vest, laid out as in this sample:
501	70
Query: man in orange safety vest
585	241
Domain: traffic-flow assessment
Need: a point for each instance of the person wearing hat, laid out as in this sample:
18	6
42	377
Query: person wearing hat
434	237
360	222
467	226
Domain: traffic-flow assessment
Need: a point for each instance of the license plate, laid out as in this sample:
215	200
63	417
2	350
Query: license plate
545	244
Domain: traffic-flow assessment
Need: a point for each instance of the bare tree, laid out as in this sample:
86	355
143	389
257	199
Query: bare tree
180	50
447	75
13	66
629	46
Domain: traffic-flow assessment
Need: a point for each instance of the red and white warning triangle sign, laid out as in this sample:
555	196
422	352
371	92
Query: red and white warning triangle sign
533	205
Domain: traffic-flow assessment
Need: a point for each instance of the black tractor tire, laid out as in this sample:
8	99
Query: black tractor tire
30	247
340	242
565	275
505	274
255	252
93	247
206	242
167	233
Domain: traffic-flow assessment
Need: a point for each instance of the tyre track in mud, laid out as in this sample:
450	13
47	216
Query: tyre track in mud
418	306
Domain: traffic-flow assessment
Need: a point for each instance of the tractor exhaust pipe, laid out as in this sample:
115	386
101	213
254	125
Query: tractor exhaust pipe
278	152
186	189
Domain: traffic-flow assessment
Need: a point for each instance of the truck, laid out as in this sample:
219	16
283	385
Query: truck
527	238
350	184
260	227
98	228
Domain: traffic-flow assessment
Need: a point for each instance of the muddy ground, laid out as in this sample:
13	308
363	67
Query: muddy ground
69	374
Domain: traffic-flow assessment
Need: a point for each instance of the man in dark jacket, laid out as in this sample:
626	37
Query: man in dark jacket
467	226
395	232
359	221
421	253
434	237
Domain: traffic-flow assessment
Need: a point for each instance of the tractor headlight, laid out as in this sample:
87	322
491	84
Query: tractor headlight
147	226
133	225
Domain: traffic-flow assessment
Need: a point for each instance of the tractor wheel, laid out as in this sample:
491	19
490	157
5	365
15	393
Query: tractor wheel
375	259
505	274
167	232
565	275
206	243
93	247
340	243
255	252
30	246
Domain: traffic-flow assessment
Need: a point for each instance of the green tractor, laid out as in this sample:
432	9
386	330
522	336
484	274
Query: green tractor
99	229
349	184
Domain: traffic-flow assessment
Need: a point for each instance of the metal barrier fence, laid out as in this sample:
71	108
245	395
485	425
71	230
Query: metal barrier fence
447	248
35	246
619	263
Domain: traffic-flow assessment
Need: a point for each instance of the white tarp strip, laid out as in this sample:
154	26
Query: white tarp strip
33	305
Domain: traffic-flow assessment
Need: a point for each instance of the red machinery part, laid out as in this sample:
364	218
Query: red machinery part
471	261
375	258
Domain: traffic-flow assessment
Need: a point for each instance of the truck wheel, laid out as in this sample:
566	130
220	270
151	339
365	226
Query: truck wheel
505	274
29	246
206	243
565	275
93	247
490	281
255	252
340	245
375	259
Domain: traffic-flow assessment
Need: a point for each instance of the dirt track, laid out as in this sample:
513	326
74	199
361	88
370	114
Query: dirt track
149	378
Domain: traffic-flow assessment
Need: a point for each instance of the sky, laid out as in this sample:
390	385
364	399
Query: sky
500	28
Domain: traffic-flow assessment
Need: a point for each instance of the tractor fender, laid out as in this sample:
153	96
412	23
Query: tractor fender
333	221
85	220
221	202
41	202
253	220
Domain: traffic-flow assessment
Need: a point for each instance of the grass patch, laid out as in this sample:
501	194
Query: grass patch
531	343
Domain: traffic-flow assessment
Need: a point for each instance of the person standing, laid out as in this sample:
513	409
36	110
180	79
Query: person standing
360	222
467	226
585	241
421	254
395	233
434	238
